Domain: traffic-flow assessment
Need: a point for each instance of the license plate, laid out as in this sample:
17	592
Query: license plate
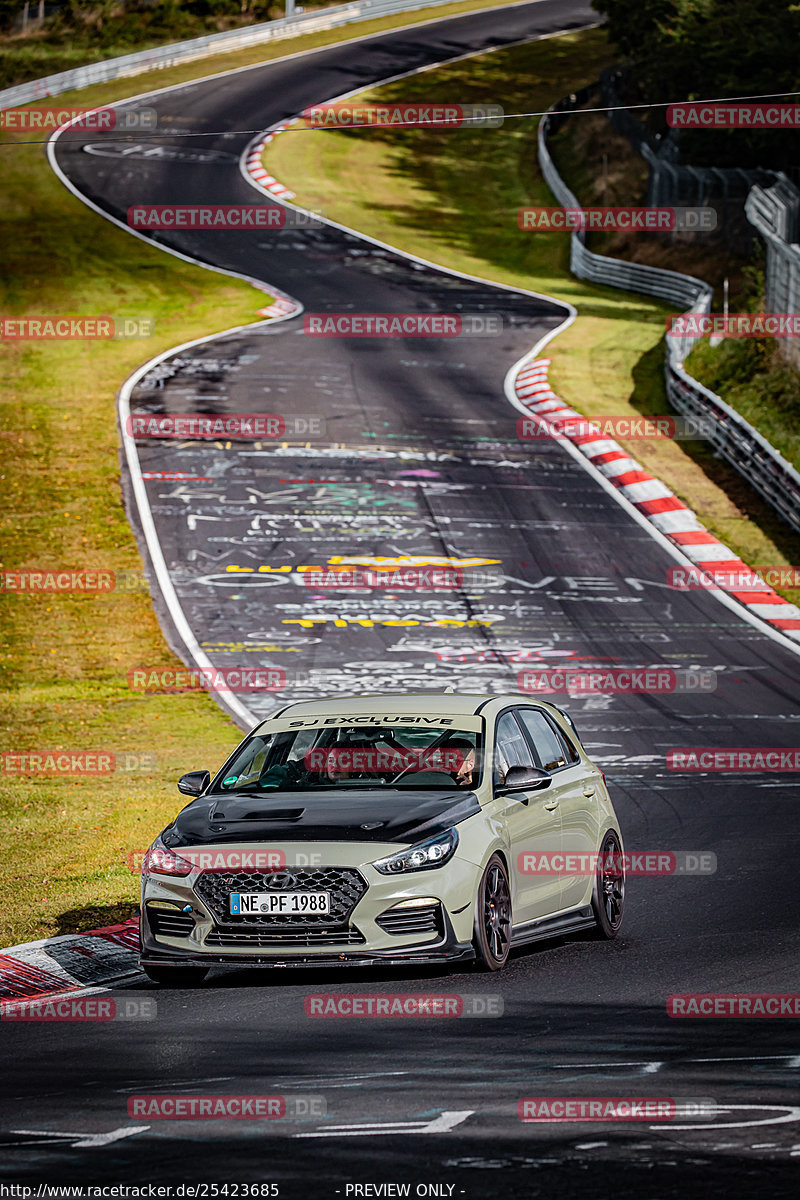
280	903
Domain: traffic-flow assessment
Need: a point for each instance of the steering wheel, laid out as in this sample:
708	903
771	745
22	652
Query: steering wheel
441	740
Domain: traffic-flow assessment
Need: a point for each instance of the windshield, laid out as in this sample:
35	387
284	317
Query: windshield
362	756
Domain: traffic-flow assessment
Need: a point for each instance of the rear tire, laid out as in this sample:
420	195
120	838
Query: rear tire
608	896
492	929
176	977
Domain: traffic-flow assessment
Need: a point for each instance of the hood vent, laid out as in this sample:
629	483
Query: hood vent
279	814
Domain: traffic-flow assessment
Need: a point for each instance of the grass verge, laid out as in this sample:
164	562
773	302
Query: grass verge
65	657
452	197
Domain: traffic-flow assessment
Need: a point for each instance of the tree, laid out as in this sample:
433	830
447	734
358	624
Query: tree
707	49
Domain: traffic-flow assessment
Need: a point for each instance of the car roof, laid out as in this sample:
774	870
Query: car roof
384	704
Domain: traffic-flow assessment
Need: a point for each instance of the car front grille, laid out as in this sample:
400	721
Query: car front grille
345	884
166	922
269	937
407	921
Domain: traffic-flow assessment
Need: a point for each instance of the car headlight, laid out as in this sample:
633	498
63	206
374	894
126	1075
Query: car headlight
422	857
160	860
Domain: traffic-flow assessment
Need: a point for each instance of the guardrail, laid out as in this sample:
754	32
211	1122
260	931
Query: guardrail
160	57
733	438
775	213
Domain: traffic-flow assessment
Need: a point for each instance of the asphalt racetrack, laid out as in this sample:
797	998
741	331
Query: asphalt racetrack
420	458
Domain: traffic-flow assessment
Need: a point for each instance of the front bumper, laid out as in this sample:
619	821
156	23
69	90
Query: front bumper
353	936
448	949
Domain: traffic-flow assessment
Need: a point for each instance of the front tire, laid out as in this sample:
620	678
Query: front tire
176	977
492	929
608	896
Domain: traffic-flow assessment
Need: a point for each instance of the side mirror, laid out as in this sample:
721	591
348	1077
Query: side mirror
524	779
194	783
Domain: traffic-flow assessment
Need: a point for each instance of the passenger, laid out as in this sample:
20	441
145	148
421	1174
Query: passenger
465	772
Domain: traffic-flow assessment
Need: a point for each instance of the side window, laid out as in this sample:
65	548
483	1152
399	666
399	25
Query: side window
510	748
551	748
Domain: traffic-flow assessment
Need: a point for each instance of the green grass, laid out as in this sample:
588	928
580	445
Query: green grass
452	197
63	659
751	376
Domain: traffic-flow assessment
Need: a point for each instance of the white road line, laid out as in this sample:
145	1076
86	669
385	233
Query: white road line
792	1060
335	1080
441	1124
178	1084
87	1139
31	1142
790	1113
44	1133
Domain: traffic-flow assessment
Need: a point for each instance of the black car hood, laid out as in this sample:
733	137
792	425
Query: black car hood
343	815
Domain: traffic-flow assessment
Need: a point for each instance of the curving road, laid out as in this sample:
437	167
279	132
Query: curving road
421	458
